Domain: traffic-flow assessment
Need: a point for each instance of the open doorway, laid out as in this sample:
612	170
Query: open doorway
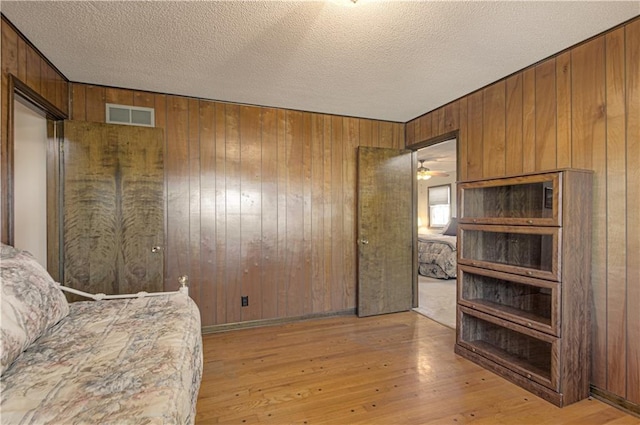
437	229
30	180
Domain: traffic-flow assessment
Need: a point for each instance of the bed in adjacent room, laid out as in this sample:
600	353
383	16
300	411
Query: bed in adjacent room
437	253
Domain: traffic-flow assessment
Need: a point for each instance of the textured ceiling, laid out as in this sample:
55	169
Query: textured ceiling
387	60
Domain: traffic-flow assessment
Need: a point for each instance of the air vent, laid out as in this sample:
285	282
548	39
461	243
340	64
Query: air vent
130	115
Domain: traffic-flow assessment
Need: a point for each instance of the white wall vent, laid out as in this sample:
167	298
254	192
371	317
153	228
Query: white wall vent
130	115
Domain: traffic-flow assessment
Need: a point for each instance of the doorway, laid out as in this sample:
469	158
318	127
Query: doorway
437	227
30	180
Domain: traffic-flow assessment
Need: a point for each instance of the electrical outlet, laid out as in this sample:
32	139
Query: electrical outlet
244	301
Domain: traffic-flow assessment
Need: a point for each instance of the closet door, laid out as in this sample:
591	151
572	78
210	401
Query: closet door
113	208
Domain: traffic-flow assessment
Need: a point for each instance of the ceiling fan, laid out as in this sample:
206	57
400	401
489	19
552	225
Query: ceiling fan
423	173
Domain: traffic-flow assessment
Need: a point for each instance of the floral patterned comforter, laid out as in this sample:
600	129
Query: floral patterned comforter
437	256
133	361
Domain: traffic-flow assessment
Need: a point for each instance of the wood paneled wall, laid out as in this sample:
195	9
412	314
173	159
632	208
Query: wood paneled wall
260	202
25	63
578	109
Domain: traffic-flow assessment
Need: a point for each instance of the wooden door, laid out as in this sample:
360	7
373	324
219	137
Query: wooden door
113	204
385	231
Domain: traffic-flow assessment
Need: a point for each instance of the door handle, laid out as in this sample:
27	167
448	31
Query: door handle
156	249
364	241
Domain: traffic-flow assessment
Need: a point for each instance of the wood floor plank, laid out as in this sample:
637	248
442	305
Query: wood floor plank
391	369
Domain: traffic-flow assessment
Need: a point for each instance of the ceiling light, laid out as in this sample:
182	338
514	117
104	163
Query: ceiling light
423	172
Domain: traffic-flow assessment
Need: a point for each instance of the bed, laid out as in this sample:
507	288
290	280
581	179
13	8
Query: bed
112	361
437	256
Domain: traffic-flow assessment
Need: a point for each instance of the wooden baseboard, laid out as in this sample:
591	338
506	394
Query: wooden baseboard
269	322
615	400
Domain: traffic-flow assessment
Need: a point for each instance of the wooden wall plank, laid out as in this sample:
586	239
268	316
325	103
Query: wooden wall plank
529	120
78	102
545	117
463	141
350	136
221	213
270	259
493	126
474	135
513	125
327	210
95	104
282	213
616	252
410	135
588	133
563	110
386	135
233	278
119	96
194	235
177	200
294	268
146	99
251	210
21	57
306	284
318	294
207	249
34	71
632	74
337	217
426	127
451	117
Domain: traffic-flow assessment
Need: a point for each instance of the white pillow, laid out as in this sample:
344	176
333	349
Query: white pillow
31	303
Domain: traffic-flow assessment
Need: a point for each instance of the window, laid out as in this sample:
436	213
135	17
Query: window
439	205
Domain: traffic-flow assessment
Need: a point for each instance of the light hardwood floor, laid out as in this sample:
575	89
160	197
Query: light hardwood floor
392	369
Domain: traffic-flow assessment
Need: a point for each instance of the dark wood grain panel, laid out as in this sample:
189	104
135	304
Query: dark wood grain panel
177	199
463	140
588	133
563	110
294	259
493	126
282	294
410	134
451	117
250	260
207	249
632	104
513	124
95	104
34	70
545	121
233	219
221	214
318	293
78	102
307	287
269	217
337	215
475	148
426	127
350	136
195	196
529	120
144	99
21	57
113	208
616	249
327	209
119	96
140	207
